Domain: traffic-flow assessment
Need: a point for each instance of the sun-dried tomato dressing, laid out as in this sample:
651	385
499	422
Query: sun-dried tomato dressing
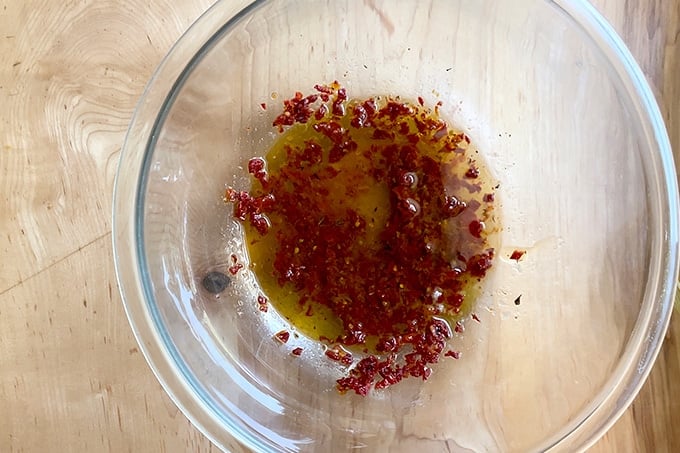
368	227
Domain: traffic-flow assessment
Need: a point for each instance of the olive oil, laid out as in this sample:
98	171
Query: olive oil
440	183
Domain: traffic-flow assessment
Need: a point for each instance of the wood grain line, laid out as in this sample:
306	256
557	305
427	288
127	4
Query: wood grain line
56	263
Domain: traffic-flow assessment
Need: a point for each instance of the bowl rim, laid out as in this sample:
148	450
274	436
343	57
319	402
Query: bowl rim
160	92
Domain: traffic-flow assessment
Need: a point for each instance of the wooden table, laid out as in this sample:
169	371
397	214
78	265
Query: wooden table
71	376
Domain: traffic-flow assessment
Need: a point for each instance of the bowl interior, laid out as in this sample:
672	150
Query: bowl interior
559	128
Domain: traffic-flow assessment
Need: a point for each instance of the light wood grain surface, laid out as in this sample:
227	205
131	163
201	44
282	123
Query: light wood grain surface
71	376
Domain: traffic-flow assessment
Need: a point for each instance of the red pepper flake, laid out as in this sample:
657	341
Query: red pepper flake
333	354
332	129
361	377
427	349
358	261
256	167
475	317
387	344
283	336
476	228
339	355
405	129
394	110
453	207
323	89
297	352
477	265
517	255
339	150
413	138
260	223
339	103
251	208
262	303
241	202
321	111
472	173
379	134
370	107
263	106
360	116
236	266
297	109
453	354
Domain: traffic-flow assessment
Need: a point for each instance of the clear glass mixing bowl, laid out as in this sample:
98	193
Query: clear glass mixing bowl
567	124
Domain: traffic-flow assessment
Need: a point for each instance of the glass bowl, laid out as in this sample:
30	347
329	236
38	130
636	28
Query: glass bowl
565	121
